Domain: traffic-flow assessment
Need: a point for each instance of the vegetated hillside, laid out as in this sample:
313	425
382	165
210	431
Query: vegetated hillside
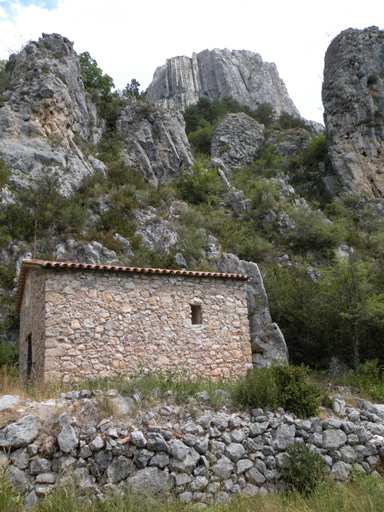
107	177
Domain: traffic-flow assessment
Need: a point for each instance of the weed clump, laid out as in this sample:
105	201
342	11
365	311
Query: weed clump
307	469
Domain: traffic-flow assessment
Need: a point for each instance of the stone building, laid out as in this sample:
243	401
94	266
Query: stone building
97	320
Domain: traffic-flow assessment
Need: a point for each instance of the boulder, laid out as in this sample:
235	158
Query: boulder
17	479
67	439
236	140
118	470
337	367
7	401
150	479
333	439
21	433
341	471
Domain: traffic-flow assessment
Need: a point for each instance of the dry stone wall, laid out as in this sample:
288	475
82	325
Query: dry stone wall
209	457
111	323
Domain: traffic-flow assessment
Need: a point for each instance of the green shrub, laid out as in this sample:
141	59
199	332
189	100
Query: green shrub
298	394
42	203
118	219
369	378
72	217
283	386
201	184
239	236
257	389
264	195
192	241
5	174
201	139
307	469
8	353
209	112
110	148
265	163
288	121
7	276
312	232
264	114
316	152
119	175
310	179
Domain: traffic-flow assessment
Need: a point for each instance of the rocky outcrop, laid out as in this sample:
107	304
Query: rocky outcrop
90	252
156	232
217	74
154	140
267	341
209	458
236	140
353	97
290	143
44	110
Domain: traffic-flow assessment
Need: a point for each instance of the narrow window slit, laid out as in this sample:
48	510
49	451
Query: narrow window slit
29	356
196	314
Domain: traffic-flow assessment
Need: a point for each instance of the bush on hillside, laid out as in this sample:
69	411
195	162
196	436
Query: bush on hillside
283	386
288	121
201	139
201	184
5	174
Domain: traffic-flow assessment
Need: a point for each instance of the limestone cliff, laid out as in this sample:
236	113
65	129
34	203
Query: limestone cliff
353	97
45	108
242	75
154	141
46	116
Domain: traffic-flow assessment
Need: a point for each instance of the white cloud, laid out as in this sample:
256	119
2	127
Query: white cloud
129	39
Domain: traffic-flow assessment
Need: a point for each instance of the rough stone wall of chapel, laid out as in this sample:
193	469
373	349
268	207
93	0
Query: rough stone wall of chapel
112	323
32	315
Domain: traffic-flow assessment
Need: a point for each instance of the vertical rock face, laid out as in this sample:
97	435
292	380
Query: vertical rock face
267	341
43	109
154	141
217	74
353	98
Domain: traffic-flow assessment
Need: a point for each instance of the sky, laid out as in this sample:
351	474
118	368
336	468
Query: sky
131	38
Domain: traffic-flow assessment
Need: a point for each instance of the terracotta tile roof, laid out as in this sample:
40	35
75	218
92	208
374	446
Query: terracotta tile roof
26	264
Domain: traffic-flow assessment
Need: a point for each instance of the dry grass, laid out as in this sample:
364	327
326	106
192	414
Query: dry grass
40	391
364	494
11	384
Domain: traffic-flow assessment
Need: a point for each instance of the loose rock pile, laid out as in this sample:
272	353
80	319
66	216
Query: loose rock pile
194	452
